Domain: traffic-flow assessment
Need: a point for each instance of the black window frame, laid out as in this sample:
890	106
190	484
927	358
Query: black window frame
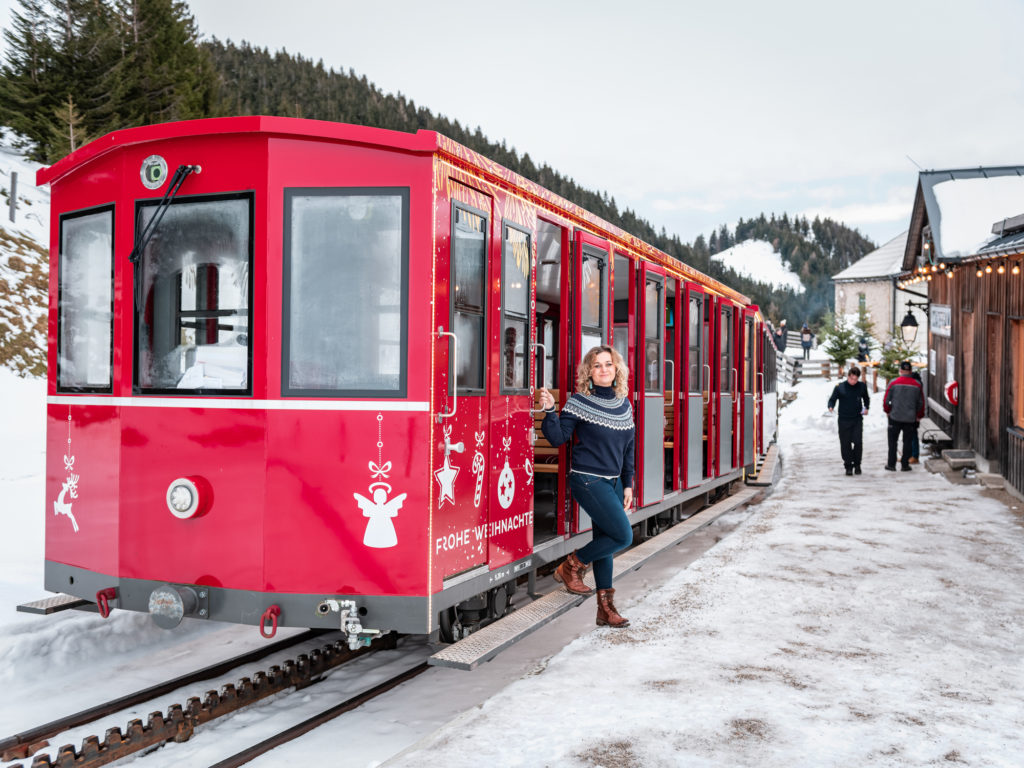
249	195
401	393
91	211
528	317
452	310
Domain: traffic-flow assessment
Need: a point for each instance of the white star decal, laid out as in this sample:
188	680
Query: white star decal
446	479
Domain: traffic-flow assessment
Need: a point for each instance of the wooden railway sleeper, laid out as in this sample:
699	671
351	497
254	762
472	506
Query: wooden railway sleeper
180	722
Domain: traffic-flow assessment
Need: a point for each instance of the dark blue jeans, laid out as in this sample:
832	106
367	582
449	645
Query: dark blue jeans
601	498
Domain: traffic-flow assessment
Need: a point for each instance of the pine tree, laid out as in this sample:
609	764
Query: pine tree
26	84
865	328
894	352
840	343
67	133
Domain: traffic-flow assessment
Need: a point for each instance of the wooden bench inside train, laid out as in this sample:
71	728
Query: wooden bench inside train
545	455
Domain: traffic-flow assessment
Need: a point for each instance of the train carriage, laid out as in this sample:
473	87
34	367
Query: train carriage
293	369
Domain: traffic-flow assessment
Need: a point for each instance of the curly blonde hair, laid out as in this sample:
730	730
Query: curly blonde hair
621	383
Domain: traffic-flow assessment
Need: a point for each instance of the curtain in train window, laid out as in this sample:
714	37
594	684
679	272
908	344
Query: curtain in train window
346	273
469	288
86	312
516	258
193	318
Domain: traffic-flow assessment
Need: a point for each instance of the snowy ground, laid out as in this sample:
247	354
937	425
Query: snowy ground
758	260
872	620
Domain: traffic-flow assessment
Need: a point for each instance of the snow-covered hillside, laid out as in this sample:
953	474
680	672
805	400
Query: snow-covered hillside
758	260
24	271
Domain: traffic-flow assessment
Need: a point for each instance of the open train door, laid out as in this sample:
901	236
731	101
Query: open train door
591	284
747	378
650	365
697	384
726	390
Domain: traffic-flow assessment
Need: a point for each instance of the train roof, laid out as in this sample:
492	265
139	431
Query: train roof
422	142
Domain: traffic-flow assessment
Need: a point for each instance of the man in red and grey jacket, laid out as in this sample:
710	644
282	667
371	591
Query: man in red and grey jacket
904	402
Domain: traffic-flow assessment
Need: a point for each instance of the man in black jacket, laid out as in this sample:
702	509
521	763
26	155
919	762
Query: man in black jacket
853	399
904	402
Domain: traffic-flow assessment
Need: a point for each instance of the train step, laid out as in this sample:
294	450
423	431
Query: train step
53	604
768	468
488	642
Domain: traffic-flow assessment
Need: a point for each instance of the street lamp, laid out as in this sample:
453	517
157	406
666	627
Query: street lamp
908	328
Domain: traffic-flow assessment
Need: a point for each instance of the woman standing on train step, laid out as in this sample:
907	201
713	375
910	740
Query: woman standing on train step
600	415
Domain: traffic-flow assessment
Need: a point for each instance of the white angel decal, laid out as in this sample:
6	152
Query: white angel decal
380	531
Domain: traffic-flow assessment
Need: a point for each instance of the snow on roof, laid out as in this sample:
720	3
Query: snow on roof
969	207
882	262
759	261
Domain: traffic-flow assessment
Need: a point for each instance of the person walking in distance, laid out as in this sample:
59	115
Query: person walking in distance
600	417
904	402
806	341
852	396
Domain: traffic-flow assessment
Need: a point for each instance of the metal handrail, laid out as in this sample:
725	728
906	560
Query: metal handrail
542	346
672	380
455	374
708	367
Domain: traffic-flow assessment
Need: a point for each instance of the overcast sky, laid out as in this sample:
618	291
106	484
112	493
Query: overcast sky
694	114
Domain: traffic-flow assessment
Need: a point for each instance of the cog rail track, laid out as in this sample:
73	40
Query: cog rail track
243	757
180	722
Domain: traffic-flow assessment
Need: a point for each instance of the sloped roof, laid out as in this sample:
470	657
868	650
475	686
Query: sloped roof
960	205
1005	246
880	264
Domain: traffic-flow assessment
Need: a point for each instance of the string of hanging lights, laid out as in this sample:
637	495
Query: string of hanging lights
997	265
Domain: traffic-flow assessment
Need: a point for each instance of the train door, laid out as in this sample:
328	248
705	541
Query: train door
747	388
673	377
697	401
591	289
650	380
552	317
511	402
725	391
460	489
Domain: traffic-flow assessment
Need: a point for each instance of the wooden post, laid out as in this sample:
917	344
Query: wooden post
14	194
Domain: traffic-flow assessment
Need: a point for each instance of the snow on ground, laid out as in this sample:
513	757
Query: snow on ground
32	216
758	260
872	620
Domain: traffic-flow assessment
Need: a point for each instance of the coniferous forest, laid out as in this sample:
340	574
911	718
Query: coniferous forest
76	69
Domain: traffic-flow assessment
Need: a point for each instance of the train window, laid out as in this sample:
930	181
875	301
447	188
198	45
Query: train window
346	255
593	302
653	319
194	294
516	258
86	312
469	289
695	367
725	378
748	362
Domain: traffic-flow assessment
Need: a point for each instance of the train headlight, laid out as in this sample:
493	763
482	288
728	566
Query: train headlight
188	497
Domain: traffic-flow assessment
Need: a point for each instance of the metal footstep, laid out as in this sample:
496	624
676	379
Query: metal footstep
488	642
766	472
48	605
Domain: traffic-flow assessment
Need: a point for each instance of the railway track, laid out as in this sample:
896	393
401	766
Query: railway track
180	721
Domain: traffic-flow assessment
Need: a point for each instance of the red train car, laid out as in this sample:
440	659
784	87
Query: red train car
292	368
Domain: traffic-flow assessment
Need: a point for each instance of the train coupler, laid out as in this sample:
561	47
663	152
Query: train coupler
358	636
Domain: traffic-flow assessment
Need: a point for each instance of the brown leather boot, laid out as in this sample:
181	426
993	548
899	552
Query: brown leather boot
606	613
571	573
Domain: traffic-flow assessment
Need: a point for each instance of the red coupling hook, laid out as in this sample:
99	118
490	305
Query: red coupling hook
270	615
102	598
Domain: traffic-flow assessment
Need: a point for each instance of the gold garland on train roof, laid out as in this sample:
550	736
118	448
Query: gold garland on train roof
461	158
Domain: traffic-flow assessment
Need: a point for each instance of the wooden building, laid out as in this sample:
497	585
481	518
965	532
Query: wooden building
965	260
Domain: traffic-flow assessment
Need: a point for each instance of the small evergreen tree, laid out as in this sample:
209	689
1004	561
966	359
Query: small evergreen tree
841	342
865	329
894	352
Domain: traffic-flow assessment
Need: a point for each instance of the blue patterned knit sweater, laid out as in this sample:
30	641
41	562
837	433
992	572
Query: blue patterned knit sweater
603	425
